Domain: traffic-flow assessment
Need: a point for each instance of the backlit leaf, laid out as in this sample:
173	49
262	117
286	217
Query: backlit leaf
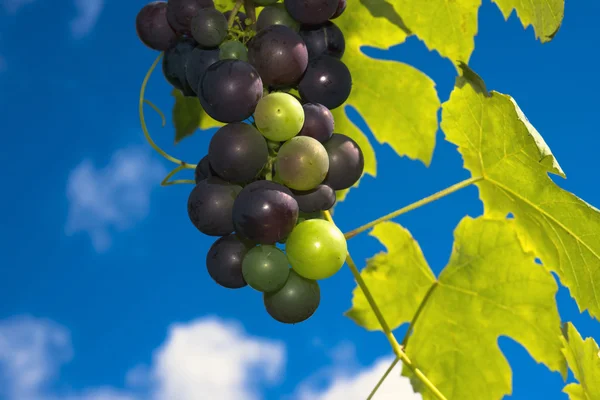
499	144
583	357
491	287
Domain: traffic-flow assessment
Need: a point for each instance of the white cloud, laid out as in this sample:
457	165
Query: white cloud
346	380
114	197
12	6
88	12
207	358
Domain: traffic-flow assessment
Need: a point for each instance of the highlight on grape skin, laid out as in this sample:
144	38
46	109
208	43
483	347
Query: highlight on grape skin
272	169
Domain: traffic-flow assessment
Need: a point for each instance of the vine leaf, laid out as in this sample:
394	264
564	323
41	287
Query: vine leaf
491	287
187	114
399	279
398	102
498	143
583	357
450	26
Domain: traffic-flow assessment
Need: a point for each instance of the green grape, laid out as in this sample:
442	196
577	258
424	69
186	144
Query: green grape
265	268
279	116
302	163
295	302
316	249
233	49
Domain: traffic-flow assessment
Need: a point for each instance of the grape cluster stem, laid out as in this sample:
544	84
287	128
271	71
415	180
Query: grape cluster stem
400	354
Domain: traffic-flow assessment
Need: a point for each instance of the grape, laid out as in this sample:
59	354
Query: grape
321	198
327	81
233	49
203	170
340	9
224	261
295	302
302	163
238	152
152	27
279	116
265	212
279	55
316	249
311	12
229	90
181	12
346	162
264	3
325	39
276	14
210	206
174	63
318	122
241	25
209	27
265	268
197	63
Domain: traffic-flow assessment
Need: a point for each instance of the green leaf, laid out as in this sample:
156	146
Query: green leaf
398	102
498	143
398	279
583	357
187	112
450	26
491	287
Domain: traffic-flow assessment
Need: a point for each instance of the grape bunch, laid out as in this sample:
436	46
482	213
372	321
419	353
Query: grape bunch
275	166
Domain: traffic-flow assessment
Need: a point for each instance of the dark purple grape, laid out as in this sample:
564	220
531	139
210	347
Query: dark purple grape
224	261
321	198
326	39
311	12
174	65
340	9
203	170
181	12
279	55
210	206
152	27
209	27
230	90
265	212
327	81
197	63
295	302
276	14
238	152
241	25
318	122
346	162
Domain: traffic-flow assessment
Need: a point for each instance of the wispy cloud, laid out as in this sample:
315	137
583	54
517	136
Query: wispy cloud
208	358
345	379
114	197
88	12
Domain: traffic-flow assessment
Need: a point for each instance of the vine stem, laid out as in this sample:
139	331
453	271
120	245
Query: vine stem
160	151
234	13
429	199
386	329
385	375
406	335
250	10
166	182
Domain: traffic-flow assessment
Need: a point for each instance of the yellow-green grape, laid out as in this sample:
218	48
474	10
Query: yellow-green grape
279	116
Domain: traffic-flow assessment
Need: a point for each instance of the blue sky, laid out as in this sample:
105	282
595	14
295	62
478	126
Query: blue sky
103	289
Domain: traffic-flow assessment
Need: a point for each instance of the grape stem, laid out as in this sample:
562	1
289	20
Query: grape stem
166	182
160	151
386	329
234	13
429	199
250	10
